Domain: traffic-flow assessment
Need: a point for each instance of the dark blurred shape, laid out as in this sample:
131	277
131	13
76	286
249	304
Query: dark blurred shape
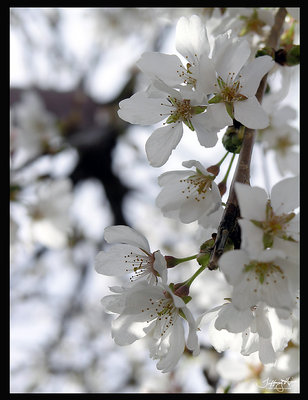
93	130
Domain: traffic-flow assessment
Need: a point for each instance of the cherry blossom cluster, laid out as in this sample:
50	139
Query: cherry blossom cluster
209	87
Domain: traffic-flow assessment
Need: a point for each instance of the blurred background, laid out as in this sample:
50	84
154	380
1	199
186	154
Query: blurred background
75	168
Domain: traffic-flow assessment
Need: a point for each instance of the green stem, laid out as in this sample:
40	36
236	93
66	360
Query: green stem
192	278
223	159
229	168
181	260
173	261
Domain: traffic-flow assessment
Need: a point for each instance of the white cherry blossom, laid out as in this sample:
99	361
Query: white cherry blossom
50	221
35	128
254	22
236	87
281	138
130	253
250	330
160	102
192	43
159	314
189	195
283	141
270	222
268	277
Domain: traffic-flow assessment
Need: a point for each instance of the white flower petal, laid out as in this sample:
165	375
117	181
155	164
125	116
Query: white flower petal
206	78
288	163
246	292
288	250
252	74
233	320
271	254
190	211
160	265
251	237
222	340
160	144
285	195
125	330
142	110
127	235
206	133
250	113
162	66
263	325
250	342
276	294
113	303
113	261
231	264
229	55
161	87
191	37
171	197
218	116
138	299
176	347
196	164
171	177
267	354
192	339
116	289
211	220
282	330
252	201
208	316
281	116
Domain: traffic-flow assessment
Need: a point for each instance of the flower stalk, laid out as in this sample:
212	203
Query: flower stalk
173	261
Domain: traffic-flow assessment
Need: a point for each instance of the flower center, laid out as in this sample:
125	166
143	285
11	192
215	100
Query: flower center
140	265
282	144
263	271
274	225
196	186
163	310
181	111
252	24
229	90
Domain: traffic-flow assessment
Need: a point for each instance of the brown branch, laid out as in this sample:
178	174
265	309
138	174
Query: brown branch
229	227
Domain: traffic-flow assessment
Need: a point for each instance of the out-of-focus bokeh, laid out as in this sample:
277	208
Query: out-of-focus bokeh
76	168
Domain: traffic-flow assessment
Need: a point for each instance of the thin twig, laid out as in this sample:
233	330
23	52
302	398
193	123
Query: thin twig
229	227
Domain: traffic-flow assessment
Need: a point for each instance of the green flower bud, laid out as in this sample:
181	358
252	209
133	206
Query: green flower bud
207	245
203	259
233	138
205	252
